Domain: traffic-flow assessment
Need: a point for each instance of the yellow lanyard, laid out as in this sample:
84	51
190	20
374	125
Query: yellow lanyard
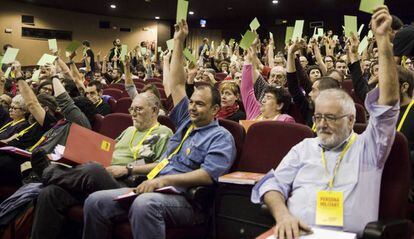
99	103
338	161
405	116
314	127
2	129
135	149
154	172
23	132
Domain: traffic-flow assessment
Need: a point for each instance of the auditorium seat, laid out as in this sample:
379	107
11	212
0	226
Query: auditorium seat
115	93
238	134
112	103
113	124
361	116
267	142
97	122
153	80
118	86
220	76
122	105
165	120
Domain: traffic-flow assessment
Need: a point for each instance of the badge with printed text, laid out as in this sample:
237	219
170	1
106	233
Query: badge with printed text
330	208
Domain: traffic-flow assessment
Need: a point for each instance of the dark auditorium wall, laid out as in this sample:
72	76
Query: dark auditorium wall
83	26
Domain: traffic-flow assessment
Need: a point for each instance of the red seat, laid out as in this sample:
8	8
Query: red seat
97	122
139	85
220	76
267	142
165	120
361	116
124	94
238	133
115	93
118	86
113	124
112	103
153	80
122	105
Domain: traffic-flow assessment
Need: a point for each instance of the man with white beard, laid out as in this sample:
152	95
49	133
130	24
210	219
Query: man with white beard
334	180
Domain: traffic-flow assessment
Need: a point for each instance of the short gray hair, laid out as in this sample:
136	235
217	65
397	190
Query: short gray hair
19	100
346	102
152	100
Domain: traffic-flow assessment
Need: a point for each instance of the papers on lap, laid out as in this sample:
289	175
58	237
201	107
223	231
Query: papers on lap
318	233
132	195
16	151
241	178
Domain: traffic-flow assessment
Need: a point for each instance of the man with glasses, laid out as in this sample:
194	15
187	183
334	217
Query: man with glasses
139	146
322	181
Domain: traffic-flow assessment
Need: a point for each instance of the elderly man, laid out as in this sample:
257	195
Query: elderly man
197	154
138	145
339	165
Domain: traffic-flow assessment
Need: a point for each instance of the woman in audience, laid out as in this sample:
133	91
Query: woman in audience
45	87
230	95
18	113
273	105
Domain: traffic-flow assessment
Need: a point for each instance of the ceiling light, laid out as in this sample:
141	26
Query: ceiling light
275	1
191	12
113	6
157	18
284	21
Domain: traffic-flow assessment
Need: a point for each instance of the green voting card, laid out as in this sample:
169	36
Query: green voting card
7	73
170	44
35	76
231	42
124	51
73	46
320	32
159	49
9	56
247	40
350	25
254	24
369	6
335	37
363	45
45	59
143	51
182	9
289	33
189	56
360	29
370	34
52	44
298	30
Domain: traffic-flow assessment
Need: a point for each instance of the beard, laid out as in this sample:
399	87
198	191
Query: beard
330	140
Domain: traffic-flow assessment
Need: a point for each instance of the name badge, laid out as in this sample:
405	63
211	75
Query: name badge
330	208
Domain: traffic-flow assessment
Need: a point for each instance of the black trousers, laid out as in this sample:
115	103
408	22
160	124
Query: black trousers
64	188
10	169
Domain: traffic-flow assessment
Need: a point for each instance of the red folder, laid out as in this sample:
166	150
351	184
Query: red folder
84	145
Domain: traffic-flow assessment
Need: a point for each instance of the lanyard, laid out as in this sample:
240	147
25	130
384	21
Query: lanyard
338	161
405	116
314	127
99	103
189	130
154	172
23	132
2	129
135	149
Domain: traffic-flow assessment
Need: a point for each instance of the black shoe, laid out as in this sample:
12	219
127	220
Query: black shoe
39	162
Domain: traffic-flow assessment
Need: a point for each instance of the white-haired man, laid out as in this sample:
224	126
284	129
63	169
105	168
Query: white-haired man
334	180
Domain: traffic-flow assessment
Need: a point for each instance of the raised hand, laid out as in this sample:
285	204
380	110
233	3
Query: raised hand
381	22
181	30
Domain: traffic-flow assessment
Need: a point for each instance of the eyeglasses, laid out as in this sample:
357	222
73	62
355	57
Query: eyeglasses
328	117
14	108
134	110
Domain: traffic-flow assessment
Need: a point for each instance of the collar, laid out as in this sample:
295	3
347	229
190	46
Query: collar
213	123
340	146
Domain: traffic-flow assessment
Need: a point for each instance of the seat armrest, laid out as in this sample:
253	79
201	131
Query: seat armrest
400	228
203	195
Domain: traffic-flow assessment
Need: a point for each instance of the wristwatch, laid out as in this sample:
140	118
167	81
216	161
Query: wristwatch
129	167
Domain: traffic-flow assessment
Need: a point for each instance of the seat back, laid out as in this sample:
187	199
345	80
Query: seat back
395	182
113	124
267	142
361	116
122	105
115	93
118	86
238	134
97	123
165	120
